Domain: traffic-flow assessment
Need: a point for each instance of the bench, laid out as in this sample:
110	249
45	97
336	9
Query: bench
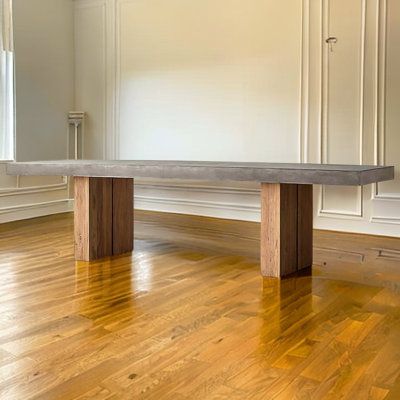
103	216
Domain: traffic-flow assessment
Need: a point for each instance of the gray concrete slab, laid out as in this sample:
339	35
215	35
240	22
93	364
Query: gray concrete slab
327	174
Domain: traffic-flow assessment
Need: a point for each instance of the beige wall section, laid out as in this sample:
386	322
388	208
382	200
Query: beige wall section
44	52
209	79
253	81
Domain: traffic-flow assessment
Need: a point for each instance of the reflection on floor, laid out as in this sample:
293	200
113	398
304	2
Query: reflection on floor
185	318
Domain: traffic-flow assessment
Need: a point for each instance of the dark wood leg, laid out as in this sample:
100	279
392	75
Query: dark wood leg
305	226
103	220
122	215
286	228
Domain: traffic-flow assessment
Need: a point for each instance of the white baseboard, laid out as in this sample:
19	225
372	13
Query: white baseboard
227	202
27	211
204	208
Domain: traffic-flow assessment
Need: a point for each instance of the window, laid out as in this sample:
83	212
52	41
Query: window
6	82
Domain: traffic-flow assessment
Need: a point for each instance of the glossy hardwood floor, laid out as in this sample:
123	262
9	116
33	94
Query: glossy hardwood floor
188	316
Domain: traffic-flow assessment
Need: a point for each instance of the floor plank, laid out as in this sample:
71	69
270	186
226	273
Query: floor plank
188	316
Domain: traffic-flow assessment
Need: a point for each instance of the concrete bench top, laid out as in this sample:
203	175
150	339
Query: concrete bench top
327	174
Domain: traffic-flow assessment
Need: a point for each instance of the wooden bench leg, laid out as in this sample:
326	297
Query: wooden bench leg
286	228
103	219
122	215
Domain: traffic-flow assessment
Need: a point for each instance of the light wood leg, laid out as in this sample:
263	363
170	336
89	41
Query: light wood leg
103	219
286	228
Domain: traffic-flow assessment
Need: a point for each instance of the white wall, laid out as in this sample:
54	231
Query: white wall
255	81
44	74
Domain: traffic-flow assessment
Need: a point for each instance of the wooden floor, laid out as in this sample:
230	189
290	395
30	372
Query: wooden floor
188	316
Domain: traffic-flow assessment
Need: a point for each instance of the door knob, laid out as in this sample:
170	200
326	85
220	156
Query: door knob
331	41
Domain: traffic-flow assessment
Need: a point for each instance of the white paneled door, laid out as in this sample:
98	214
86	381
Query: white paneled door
343	106
359	63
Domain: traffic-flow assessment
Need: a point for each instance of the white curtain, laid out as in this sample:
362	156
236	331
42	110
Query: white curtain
6	81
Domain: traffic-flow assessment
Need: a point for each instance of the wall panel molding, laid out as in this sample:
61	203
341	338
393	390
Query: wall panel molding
89	3
380	100
324	139
385	220
305	81
118	73
111	78
379	197
193	197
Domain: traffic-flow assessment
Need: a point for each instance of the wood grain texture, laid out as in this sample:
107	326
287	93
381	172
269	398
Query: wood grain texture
305	226
278	229
270	244
122	215
171	322
81	218
286	228
103	217
93	218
